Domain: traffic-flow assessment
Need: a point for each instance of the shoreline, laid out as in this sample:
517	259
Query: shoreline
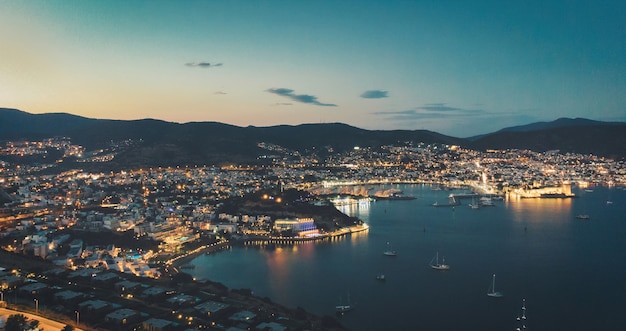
181	260
178	262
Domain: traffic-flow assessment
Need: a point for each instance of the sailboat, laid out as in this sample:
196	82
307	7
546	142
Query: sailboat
390	251
492	290
474	204
523	318
343	308
434	263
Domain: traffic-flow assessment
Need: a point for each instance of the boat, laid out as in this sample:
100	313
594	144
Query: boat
380	277
486	201
474	204
343	308
582	217
436	265
522	319
492	290
556	195
390	251
396	196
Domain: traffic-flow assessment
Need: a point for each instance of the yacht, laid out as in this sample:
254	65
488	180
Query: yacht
434	263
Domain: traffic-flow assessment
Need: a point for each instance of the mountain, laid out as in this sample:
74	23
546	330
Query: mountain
567	135
556	124
166	143
16	123
160	143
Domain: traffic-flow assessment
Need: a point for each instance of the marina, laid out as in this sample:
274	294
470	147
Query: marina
530	244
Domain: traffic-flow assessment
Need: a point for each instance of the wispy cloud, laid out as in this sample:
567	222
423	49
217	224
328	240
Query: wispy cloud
203	64
440	107
303	98
375	94
430	111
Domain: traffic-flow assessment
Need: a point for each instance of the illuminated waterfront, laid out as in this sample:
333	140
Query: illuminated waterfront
570	271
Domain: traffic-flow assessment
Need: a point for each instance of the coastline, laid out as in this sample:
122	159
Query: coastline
179	261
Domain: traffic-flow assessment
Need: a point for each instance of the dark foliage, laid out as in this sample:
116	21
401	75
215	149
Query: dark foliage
182	278
17	322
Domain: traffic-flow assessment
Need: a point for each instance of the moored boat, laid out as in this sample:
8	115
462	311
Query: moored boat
492	290
390	251
343	308
434	263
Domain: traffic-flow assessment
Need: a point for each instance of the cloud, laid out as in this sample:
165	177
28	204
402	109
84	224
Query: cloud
374	94
203	64
304	98
439	107
220	92
430	111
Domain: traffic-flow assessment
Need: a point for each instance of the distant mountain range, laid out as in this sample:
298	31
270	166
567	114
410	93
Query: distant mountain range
167	143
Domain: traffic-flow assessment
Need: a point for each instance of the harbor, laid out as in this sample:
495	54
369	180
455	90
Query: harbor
527	243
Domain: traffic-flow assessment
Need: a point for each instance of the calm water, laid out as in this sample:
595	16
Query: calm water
571	272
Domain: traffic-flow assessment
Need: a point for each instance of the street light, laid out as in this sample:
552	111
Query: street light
36	306
77	317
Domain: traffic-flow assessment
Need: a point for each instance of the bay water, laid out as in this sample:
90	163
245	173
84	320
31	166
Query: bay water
571	272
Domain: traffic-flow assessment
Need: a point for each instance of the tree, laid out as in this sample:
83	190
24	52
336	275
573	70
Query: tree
182	278
15	322
18	322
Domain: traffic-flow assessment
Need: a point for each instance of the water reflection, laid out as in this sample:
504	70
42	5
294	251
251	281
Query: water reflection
354	206
358	237
555	265
535	210
277	268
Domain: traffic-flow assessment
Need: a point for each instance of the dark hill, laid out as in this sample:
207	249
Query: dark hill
160	143
562	122
16	124
605	139
166	143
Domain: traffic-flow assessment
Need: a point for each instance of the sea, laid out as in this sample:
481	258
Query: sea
570	273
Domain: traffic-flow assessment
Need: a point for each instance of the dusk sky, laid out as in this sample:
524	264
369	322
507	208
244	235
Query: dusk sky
460	68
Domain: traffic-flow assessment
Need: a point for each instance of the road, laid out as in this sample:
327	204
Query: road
44	323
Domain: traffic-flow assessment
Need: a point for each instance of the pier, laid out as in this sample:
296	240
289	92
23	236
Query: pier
343	232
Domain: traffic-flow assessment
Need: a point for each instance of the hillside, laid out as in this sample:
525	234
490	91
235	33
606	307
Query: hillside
160	143
166	143
604	139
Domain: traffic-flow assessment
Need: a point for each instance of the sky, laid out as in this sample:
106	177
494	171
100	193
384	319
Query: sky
460	68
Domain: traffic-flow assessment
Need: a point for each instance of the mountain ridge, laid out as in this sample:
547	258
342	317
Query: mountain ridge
166	143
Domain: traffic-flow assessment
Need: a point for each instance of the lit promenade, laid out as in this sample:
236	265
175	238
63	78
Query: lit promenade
45	324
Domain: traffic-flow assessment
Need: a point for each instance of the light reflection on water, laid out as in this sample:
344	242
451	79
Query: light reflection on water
537	248
535	210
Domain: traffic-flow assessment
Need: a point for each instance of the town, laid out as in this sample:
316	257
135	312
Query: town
108	249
